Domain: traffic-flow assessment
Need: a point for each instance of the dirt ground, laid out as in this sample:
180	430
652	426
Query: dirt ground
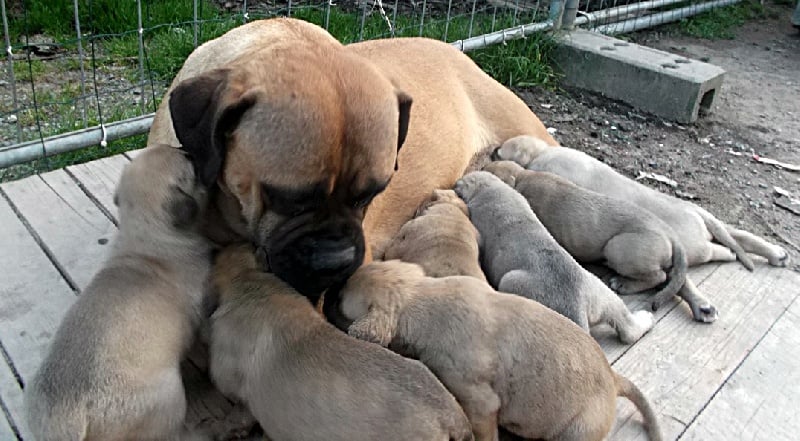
756	111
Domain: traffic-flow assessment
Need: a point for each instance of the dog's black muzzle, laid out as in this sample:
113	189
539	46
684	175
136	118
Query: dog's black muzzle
312	255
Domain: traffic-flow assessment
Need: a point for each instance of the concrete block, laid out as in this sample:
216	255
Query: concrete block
664	84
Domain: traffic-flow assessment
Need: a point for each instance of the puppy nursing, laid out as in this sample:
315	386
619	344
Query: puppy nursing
488	349
441	238
304	380
695	227
593	227
112	371
519	256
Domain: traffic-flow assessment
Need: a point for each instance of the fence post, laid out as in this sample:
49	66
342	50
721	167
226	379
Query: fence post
556	12
570	11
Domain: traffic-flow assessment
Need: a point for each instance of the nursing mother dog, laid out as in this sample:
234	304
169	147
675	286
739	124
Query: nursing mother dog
321	151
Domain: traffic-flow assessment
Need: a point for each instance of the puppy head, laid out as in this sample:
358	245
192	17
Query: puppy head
507	171
442	197
471	184
520	149
302	140
374	296
159	189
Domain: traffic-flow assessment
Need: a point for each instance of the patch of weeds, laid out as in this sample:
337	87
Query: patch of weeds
56	18
721	23
27	71
519	63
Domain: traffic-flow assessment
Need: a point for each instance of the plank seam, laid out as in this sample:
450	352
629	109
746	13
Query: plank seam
125	154
736	369
92	198
674	306
11	423
11	366
43	246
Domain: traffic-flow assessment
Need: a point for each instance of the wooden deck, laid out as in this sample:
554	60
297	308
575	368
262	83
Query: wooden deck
738	378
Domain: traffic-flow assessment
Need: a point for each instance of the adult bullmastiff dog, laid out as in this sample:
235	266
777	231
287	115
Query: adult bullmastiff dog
302	135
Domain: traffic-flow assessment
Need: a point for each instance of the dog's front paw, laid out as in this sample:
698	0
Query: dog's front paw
705	313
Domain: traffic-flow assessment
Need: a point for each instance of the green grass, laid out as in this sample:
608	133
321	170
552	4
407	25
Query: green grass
721	23
169	38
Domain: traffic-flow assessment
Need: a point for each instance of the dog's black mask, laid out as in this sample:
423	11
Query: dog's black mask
315	251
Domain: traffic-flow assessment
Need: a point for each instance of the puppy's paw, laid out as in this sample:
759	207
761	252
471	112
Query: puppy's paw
644	319
781	258
368	331
619	285
705	313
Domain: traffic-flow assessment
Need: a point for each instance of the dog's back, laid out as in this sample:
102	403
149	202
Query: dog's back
518	254
271	349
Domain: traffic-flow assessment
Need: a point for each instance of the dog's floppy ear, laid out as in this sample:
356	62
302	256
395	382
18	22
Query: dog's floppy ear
201	119
377	326
404	102
182	208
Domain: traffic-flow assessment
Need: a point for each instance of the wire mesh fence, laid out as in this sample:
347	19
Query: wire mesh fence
82	77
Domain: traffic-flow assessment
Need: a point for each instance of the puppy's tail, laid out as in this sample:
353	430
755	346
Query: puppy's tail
677	275
721	234
627	389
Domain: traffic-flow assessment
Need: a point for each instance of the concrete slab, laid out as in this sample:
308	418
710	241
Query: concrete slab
664	84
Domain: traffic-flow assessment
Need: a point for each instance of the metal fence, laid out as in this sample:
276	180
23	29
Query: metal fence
81	79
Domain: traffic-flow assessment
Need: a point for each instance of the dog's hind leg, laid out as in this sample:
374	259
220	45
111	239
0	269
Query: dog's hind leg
636	283
605	307
592	424
751	243
639	259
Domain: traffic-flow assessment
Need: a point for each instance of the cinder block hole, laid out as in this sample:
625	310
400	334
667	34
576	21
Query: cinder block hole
669	66
682	61
607	48
621	44
706	101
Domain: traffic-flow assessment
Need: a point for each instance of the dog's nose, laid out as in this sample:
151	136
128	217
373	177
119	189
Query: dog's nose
332	255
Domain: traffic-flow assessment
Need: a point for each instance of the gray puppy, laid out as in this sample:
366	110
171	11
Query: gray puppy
112	371
695	227
519	256
592	227
503	356
440	238
304	380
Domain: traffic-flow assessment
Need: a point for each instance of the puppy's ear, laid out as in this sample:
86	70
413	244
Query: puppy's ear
377	326
404	102
201	119
182	208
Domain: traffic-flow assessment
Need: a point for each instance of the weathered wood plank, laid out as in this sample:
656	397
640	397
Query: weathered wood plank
680	364
100	179
73	227
760	400
11	398
33	298
5	428
608	339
